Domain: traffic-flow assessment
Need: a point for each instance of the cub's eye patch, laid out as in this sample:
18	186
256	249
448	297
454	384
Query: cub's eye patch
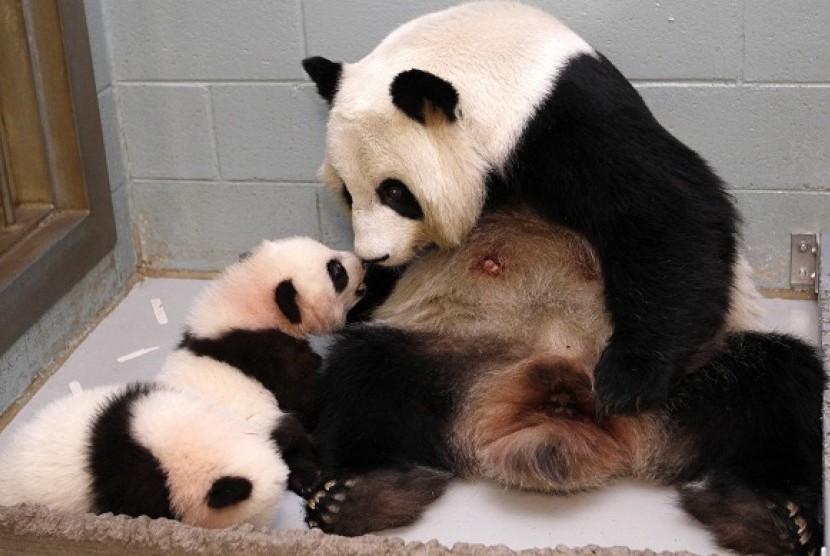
395	195
285	294
347	197
337	273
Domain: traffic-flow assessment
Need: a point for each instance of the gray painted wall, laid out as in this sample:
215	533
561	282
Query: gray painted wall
220	133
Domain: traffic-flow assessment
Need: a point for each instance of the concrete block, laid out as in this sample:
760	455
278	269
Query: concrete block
113	139
205	226
787	41
205	39
269	132
769	219
755	137
167	131
98	42
671	39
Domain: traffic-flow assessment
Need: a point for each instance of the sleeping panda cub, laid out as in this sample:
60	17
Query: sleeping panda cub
246	341
144	449
480	364
491	103
209	441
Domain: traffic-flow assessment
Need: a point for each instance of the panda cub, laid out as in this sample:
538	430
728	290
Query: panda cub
479	364
208	442
494	103
246	341
144	449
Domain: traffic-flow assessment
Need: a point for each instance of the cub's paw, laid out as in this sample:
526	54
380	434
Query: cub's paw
354	504
630	382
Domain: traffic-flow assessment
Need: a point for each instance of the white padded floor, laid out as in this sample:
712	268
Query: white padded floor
131	344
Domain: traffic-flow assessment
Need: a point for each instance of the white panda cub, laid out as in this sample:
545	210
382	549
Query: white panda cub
144	449
246	342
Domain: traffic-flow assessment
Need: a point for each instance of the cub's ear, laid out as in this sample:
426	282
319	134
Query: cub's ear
325	74
416	92
286	296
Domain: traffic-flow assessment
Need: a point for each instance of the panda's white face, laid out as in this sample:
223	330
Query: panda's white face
437	105
422	187
296	285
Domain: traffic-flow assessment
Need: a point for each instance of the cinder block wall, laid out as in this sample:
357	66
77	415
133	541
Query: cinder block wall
218	133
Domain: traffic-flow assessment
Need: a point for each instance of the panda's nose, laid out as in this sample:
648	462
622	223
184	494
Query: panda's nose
376	260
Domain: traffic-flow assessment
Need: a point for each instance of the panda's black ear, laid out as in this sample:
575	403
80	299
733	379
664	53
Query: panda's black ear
416	91
325	74
286	296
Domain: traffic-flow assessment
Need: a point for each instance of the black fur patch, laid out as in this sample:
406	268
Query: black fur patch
227	491
325	74
298	453
413	88
594	159
397	196
284	365
384	399
337	273
380	281
750	422
755	409
285	294
126	477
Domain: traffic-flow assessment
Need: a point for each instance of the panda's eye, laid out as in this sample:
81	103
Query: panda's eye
337	273
347	197
394	194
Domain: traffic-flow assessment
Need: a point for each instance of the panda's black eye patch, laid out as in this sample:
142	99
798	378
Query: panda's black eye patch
337	273
347	197
397	196
285	294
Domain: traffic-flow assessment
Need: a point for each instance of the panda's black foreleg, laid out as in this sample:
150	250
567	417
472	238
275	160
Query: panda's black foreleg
749	425
299	455
661	320
353	503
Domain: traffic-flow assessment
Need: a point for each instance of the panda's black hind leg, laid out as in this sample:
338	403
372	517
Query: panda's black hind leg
747	428
352	504
748	521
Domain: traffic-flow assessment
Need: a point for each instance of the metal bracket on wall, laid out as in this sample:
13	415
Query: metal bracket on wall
804	262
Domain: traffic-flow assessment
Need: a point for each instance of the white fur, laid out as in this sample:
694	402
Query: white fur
225	385
46	459
198	443
243	297
502	58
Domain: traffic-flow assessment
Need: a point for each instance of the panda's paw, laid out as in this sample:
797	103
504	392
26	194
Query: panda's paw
797	529
325	507
629	382
354	504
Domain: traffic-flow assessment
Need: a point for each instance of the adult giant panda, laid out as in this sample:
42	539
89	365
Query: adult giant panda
144	449
480	364
489	103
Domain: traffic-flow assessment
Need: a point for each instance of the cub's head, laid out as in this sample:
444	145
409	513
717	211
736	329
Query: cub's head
398	158
296	285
